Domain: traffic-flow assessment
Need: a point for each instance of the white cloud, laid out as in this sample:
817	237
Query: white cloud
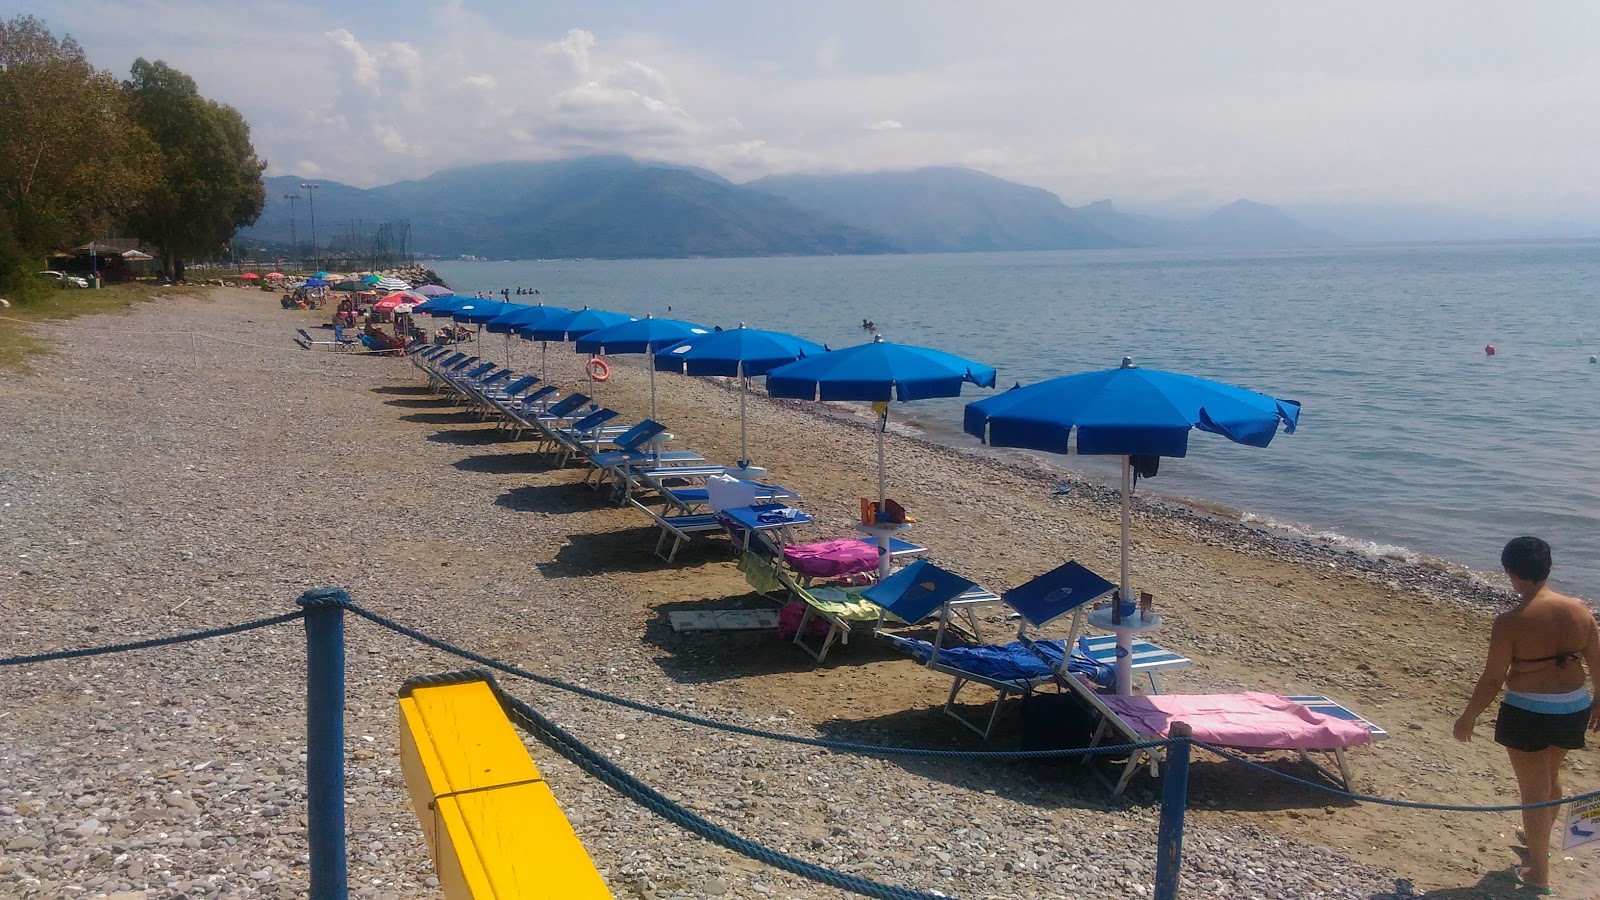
1488	106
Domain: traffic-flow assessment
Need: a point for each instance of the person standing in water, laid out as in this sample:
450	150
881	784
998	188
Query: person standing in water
1538	651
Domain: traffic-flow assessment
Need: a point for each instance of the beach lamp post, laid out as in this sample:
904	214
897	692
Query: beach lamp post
294	237
310	188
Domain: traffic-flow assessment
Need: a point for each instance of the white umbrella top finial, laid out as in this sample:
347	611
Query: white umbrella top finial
1127	362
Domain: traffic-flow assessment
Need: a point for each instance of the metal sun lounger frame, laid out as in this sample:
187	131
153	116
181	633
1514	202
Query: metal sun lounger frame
1151	758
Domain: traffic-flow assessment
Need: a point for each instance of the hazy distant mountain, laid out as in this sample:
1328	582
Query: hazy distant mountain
943	210
606	207
1132	229
616	207
1377	224
1242	223
1245	223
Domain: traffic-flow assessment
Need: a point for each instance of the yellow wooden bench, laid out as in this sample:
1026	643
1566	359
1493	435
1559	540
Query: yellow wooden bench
492	824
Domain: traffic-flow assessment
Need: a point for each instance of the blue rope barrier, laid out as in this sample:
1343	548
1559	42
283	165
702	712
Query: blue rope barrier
638	706
821	743
1385	801
154	642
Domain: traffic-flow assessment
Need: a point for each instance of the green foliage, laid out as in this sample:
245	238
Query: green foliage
70	159
208	180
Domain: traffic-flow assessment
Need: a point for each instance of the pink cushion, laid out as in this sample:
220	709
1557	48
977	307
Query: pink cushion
1252	720
831	559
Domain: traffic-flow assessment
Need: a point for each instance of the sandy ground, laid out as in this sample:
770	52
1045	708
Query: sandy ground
1248	615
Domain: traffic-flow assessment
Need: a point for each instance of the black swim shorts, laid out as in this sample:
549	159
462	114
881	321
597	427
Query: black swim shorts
1530	732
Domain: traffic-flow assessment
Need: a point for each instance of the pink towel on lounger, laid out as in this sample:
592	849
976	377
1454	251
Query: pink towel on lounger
1253	720
831	559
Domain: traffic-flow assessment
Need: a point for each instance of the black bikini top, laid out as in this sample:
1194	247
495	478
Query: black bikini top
1560	659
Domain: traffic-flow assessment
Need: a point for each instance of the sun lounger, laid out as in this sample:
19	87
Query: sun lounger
624	449
339	342
677	529
1246	721
526	417
565	441
512	409
1018	668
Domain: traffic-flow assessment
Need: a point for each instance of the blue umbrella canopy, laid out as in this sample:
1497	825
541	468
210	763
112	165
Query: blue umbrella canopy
574	325
880	370
1127	412
476	311
646	335
747	352
524	315
445	306
741	353
316	281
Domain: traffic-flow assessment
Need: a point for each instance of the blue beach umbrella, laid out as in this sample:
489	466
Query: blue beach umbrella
316	282
646	335
444	306
574	325
521	321
1128	412
570	326
476	311
879	371
741	353
522	314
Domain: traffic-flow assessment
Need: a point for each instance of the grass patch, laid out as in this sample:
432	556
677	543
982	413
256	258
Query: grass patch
21	339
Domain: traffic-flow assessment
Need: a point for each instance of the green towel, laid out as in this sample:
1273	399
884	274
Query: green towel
847	605
759	573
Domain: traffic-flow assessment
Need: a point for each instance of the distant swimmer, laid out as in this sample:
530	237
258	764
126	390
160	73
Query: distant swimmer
1488	350
1594	359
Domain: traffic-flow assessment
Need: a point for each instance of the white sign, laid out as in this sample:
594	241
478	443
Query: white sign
1583	824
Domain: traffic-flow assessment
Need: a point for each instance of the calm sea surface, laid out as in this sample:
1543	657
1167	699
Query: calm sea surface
1412	440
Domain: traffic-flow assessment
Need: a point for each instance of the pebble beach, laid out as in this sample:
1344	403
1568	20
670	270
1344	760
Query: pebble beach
152	483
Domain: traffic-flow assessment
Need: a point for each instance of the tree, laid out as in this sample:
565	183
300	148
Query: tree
70	158
208	181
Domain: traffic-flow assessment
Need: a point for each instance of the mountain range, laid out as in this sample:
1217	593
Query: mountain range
617	207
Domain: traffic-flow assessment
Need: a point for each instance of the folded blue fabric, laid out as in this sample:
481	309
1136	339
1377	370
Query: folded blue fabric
1015	661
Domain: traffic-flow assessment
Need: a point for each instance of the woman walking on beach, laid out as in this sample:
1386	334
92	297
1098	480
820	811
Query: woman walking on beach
1537	651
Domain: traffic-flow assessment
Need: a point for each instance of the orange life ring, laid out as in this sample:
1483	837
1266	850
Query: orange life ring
597	369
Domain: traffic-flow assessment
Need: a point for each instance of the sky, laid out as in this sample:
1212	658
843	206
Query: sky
1159	106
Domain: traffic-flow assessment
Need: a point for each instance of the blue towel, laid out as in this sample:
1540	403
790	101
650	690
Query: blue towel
1008	662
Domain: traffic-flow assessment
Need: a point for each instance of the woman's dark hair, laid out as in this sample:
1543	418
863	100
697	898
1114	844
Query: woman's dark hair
1527	558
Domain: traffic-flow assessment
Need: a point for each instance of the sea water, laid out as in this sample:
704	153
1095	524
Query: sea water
1412	441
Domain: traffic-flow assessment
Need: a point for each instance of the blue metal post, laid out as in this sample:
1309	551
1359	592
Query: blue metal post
1174	800
325	740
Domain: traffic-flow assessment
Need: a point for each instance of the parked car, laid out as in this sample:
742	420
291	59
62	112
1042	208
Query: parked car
65	280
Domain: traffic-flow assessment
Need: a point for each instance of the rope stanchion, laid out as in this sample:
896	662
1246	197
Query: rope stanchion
153	642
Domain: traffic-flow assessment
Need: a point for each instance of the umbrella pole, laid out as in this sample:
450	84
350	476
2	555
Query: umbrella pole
882	529
508	349
883	426
651	359
1125	592
544	348
744	450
